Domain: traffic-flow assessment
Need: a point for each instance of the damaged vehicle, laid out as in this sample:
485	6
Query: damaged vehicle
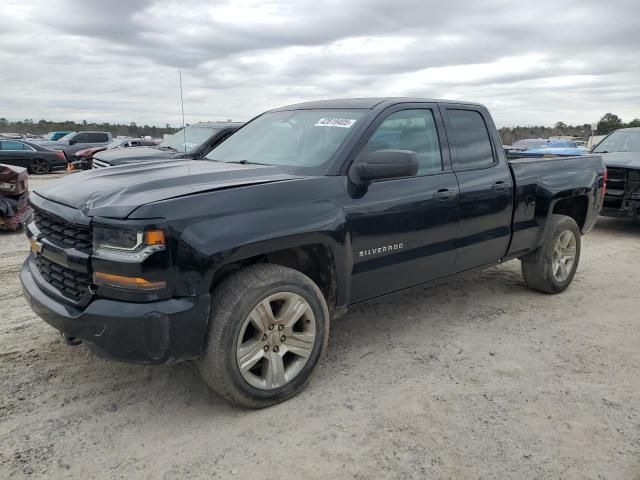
242	259
620	151
15	212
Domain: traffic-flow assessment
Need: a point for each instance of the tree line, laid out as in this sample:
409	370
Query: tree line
607	124
44	126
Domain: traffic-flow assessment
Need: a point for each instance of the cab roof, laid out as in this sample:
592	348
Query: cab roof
217	124
365	103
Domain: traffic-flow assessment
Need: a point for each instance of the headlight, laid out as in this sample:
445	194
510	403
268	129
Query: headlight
127	245
11	187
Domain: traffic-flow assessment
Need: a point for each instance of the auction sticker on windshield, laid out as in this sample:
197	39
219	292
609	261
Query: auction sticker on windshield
335	122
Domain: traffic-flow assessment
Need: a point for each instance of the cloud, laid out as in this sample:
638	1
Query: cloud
533	63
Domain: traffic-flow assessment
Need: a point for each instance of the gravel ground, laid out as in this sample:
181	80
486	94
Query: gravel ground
478	378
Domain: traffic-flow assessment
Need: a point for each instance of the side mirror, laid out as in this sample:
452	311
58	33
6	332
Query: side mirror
73	141
384	165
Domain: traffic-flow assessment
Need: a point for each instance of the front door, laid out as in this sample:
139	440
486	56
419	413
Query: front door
403	231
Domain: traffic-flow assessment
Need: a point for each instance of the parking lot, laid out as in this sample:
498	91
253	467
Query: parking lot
477	378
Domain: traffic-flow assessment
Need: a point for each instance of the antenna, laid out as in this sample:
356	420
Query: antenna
184	134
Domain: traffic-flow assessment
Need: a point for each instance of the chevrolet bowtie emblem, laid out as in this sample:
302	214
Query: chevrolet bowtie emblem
36	246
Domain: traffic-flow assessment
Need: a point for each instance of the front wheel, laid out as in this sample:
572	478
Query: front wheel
551	268
268	328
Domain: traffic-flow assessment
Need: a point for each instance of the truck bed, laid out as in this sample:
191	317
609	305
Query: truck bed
540	180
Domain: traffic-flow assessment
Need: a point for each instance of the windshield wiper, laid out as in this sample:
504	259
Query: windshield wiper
247	162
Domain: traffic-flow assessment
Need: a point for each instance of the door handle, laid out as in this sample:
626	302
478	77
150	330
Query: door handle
444	194
500	186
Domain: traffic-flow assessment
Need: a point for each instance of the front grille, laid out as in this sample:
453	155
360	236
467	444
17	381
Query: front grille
63	234
95	163
73	285
616	181
633	184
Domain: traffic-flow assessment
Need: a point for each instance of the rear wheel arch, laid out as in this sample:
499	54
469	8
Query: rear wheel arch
576	207
558	253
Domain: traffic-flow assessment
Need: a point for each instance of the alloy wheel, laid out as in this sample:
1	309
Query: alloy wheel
276	340
38	166
564	255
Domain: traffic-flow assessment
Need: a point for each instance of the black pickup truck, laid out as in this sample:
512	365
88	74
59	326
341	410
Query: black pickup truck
242	259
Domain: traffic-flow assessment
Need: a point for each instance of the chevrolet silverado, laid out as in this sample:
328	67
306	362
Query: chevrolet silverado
240	260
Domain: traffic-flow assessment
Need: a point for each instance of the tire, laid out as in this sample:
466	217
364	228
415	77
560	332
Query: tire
540	268
251	294
39	166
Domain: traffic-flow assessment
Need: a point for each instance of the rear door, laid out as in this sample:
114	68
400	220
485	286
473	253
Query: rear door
486	186
15	153
403	231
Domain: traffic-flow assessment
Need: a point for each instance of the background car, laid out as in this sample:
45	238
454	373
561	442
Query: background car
550	149
35	158
76	141
527	143
620	151
194	141
52	136
84	158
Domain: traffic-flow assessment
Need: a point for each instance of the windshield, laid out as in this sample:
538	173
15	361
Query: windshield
298	139
116	143
191	137
66	137
620	141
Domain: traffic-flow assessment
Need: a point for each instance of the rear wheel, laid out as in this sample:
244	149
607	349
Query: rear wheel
268	329
39	166
551	268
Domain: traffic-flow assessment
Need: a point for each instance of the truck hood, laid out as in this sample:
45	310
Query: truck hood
121	156
621	159
116	192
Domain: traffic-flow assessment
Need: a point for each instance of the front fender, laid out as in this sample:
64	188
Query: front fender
247	238
205	244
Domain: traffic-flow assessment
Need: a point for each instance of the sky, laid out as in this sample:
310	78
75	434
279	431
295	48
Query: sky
530	63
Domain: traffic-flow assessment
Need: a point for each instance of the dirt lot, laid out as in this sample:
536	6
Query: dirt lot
478	378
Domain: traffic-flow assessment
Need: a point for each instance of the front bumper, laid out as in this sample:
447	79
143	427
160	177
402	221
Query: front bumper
151	333
623	209
81	163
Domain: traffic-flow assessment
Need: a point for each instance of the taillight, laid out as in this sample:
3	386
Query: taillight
60	154
604	182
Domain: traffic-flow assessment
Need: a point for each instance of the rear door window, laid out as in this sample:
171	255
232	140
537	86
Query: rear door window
98	138
471	139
